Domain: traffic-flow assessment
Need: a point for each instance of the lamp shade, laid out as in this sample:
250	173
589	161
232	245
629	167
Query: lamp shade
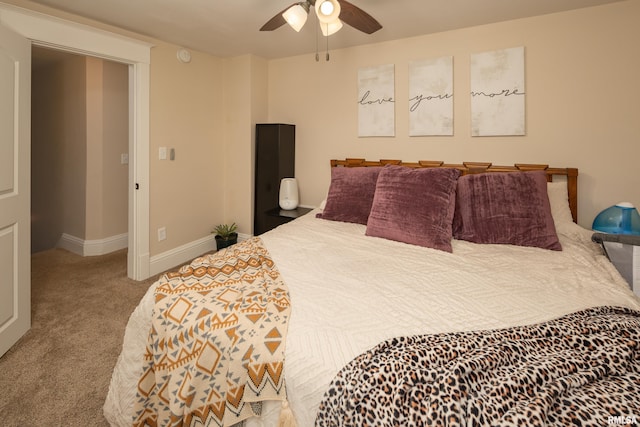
332	28
296	16
622	218
288	193
328	11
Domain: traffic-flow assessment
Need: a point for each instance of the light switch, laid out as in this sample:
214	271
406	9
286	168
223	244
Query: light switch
124	158
172	154
162	153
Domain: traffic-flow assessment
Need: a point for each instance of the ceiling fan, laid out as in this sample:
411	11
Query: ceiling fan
331	14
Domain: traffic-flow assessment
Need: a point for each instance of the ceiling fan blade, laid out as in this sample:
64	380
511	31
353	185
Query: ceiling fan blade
276	22
358	18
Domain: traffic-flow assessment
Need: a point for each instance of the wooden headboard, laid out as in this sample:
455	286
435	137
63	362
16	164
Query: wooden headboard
571	174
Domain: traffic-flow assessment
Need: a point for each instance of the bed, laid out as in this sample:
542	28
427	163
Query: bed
378	294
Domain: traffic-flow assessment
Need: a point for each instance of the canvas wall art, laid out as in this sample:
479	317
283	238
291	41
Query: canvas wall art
376	101
498	93
431	97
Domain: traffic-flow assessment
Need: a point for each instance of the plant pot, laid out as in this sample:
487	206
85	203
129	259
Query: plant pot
222	243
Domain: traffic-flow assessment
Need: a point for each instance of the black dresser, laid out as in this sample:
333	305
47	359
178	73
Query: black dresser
275	159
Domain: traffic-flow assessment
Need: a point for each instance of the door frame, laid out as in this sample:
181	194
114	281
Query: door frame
55	33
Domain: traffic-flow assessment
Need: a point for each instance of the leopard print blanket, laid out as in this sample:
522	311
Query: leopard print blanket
580	369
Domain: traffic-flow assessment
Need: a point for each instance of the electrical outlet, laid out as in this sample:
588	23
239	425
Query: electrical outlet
162	234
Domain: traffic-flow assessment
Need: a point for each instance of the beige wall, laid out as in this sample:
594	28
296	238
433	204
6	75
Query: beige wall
207	110
59	151
80	129
245	105
187	114
94	217
582	102
47	157
107	94
115	142
73	137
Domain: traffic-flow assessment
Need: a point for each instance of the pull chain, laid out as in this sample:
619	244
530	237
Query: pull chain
317	54
327	57
318	44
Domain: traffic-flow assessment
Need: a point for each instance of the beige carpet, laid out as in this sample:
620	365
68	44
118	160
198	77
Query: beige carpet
58	374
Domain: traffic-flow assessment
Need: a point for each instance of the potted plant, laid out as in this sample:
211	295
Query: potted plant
226	235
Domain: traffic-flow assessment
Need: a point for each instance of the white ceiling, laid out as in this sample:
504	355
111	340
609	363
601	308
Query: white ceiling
227	28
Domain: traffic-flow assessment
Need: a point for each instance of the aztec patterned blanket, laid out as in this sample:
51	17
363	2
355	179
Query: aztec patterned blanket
580	369
216	345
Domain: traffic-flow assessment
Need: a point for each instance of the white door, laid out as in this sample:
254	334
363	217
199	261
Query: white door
15	191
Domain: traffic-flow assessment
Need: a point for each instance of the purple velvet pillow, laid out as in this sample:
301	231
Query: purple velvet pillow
350	194
505	208
414	206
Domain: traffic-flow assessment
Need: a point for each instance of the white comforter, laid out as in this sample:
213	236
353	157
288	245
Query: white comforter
350	291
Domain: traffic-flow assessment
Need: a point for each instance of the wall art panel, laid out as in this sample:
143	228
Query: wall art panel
376	101
498	93
431	97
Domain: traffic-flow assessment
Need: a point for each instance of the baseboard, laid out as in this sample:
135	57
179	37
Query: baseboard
157	264
93	247
181	255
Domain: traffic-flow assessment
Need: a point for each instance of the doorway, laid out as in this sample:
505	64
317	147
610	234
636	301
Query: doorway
47	31
79	156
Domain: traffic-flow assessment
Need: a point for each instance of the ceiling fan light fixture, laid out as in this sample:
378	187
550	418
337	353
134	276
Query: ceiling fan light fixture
326	8
331	28
328	11
296	15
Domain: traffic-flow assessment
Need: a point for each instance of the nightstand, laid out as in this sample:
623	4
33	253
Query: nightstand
276	216
623	251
